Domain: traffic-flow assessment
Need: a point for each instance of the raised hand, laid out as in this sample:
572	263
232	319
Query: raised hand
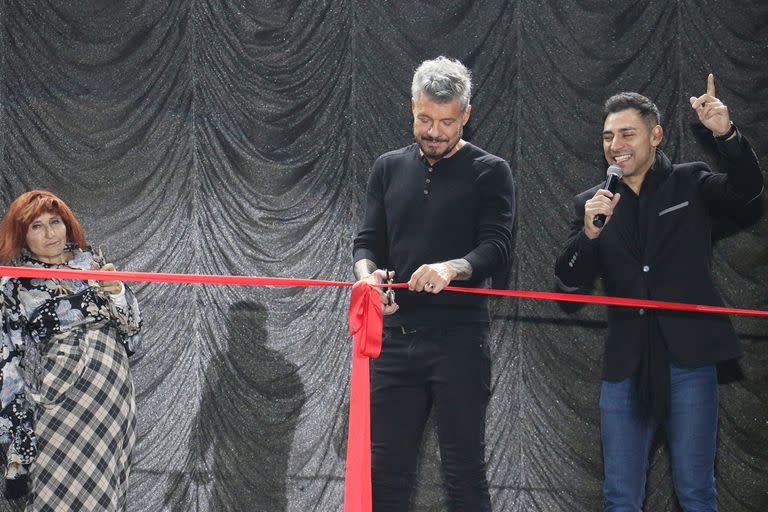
711	111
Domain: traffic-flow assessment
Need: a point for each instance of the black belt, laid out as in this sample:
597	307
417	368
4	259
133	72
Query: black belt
406	329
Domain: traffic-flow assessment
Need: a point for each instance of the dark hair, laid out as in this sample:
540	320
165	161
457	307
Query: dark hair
624	100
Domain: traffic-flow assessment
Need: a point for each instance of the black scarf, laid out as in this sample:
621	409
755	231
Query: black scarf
654	389
652	378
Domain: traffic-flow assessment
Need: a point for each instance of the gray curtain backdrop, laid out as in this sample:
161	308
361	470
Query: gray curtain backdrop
236	137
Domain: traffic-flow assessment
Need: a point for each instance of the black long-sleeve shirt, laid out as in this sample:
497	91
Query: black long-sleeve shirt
462	207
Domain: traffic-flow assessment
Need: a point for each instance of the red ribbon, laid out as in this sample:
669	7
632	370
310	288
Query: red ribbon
365	323
48	273
159	277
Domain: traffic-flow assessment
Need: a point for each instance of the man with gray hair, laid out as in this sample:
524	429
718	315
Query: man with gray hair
438	211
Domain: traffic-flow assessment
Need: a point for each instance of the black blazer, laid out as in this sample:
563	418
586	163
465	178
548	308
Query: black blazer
660	248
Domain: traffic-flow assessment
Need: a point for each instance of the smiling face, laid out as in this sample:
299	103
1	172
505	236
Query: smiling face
438	127
630	143
46	237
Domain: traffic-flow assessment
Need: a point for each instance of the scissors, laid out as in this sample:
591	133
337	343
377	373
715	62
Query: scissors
388	291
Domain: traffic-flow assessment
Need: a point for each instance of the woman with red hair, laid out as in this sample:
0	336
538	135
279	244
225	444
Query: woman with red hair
67	406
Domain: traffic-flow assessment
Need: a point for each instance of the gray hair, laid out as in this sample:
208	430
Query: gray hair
442	80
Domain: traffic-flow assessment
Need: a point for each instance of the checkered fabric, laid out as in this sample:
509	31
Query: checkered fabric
61	361
85	435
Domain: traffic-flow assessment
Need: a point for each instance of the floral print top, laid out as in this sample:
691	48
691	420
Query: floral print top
37	313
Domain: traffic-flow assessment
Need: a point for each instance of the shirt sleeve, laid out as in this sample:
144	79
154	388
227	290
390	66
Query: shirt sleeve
16	413
741	180
124	309
576	267
370	242
12	343
495	228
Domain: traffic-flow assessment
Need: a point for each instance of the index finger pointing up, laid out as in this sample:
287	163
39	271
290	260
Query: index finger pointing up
711	85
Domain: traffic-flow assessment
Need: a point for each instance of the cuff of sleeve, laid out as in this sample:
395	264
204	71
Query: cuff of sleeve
480	260
119	298
585	241
731	146
584	246
364	254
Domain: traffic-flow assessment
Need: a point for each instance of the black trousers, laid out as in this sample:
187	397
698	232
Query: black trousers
448	368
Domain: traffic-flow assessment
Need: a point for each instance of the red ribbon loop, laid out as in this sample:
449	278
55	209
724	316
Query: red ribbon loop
365	317
365	324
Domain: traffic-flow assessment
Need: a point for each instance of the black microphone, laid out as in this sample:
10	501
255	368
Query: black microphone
614	174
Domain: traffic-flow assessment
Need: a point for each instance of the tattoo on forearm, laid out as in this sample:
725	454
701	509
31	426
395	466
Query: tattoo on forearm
364	268
462	268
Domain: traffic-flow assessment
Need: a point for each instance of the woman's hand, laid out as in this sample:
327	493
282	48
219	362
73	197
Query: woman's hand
111	287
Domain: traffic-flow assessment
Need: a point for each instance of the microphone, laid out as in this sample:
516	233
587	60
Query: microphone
614	175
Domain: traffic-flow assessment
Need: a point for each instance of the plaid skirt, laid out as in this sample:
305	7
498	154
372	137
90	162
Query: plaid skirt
85	424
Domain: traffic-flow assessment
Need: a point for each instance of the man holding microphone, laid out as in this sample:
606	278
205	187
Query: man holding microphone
656	243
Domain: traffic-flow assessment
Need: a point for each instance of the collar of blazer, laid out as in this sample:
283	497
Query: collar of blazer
659	171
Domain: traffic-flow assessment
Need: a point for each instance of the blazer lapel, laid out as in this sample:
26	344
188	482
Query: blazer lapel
623	226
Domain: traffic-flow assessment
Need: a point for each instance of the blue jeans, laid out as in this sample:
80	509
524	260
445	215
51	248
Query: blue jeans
691	433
